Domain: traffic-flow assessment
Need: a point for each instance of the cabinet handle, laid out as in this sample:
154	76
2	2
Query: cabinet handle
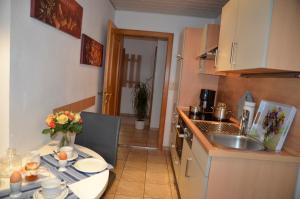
231	52
186	173
216	58
172	145
234	53
176	162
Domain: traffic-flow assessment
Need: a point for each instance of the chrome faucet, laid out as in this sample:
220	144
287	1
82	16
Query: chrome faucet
244	122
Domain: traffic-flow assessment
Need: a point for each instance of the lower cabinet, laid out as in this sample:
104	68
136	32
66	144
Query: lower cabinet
192	180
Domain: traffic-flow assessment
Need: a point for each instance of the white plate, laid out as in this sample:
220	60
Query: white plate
90	165
75	156
38	195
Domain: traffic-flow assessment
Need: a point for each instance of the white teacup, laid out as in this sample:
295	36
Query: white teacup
68	150
52	187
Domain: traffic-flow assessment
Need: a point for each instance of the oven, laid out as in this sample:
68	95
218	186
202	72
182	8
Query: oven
178	134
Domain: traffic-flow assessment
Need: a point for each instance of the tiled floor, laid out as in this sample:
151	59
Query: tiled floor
143	174
129	136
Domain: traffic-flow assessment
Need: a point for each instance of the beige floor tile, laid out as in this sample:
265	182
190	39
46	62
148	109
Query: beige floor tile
127	197
127	188
122	155
137	158
174	192
113	188
156	152
157	178
156	168
157	191
136	165
108	196
133	175
118	173
120	164
157	159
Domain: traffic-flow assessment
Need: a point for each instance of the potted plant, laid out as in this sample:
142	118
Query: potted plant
140	104
65	122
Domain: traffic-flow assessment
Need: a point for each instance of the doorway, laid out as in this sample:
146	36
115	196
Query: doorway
113	71
143	62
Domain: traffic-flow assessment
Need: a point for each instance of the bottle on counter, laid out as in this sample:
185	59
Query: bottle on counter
250	107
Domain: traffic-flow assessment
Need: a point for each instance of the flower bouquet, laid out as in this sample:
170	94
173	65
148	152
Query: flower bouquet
65	122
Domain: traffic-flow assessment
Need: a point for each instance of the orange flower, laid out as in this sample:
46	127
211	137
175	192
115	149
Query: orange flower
52	125
71	117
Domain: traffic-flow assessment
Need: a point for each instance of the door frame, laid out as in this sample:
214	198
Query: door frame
169	37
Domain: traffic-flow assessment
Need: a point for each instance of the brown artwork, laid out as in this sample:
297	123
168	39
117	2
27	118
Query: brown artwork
91	51
65	15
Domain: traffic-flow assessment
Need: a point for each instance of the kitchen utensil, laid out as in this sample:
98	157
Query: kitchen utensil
52	187
90	165
250	107
194	110
68	150
221	112
207	100
15	190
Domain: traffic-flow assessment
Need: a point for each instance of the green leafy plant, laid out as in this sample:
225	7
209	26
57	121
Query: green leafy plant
141	94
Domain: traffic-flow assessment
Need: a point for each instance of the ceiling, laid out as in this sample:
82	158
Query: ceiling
197	8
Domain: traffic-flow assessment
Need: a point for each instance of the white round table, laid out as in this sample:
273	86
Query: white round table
88	188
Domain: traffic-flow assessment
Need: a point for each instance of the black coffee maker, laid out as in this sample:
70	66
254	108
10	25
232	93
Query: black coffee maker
207	100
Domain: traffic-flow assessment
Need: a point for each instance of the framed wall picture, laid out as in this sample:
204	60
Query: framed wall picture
65	15
91	51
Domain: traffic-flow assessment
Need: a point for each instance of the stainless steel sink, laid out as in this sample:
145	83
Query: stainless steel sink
217	127
235	142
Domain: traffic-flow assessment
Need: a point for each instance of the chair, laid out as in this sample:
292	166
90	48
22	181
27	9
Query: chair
101	134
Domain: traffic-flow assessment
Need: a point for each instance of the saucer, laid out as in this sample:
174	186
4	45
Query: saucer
75	156
38	194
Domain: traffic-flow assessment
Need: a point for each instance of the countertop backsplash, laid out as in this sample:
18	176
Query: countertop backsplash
282	90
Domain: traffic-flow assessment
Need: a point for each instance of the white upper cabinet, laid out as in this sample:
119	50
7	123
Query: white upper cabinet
227	35
252	38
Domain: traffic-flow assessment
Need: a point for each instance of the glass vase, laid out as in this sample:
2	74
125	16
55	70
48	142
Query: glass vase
67	139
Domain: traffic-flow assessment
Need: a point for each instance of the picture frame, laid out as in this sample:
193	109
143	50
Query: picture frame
91	51
65	15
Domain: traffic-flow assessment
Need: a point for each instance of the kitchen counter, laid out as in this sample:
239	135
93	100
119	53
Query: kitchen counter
214	151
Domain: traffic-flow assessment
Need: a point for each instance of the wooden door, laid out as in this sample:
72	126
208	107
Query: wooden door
227	34
112	71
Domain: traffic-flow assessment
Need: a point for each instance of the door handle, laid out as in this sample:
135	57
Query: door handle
106	97
231	52
186	173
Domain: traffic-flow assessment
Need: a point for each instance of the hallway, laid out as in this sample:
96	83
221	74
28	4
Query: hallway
129	136
143	174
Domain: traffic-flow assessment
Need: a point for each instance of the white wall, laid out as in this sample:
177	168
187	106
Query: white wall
45	69
145	48
159	77
5	11
162	23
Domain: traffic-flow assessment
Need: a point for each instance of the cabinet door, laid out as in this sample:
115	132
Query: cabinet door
227	34
196	180
183	180
252	33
